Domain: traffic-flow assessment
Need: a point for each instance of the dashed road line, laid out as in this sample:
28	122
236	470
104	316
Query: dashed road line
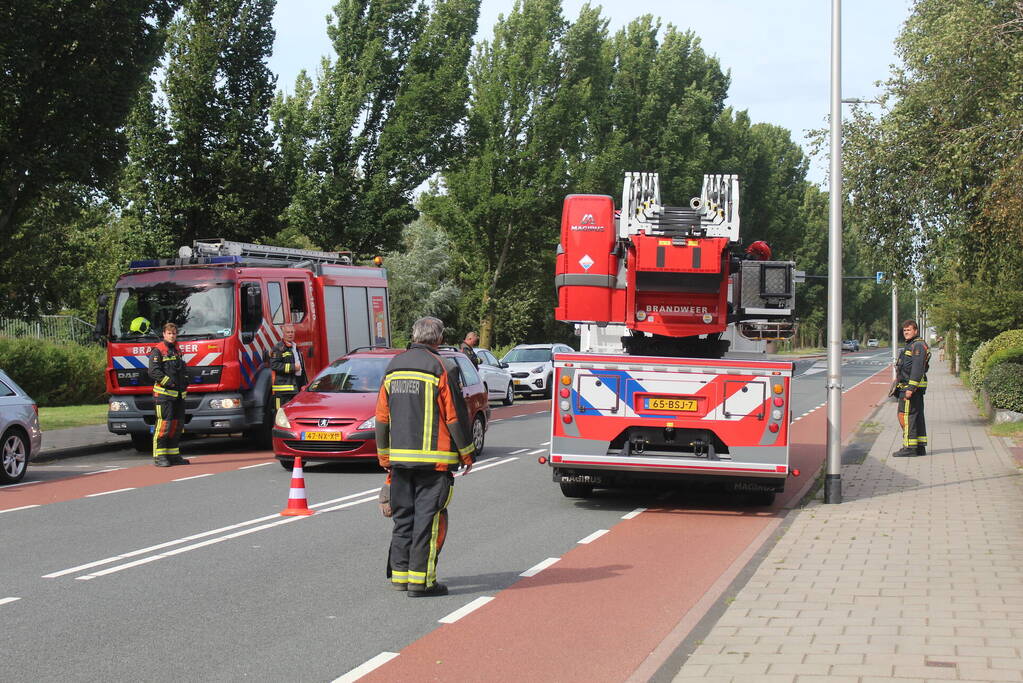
5	601
195	476
521	450
462	611
109	469
537	568
262	464
634	513
594	536
366	667
538	451
107	493
23	507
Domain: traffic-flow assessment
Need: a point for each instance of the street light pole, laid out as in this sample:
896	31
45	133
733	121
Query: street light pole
833	474
895	327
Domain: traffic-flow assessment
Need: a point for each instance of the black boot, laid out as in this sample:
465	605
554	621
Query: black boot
162	461
435	589
921	450
178	460
904	453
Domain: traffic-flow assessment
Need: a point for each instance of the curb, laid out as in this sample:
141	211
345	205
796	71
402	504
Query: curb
48	455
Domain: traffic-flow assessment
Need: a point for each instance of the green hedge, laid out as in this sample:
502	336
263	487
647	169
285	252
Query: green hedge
1004	386
979	365
55	374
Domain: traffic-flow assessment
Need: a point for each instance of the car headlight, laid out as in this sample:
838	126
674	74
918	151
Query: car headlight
118	406
281	420
371	423
225	403
538	368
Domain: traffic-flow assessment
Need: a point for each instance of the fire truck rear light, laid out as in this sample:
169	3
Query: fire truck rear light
775	414
779	402
565	392
542	460
773	427
778	388
565	405
795	473
566	380
566	418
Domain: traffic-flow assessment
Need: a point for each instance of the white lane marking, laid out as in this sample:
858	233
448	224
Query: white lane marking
366	667
462	611
538	451
107	493
521	450
186	539
23	507
350	504
24	483
262	464
634	513
594	536
537	568
195	476
109	469
477	468
497	420
546	443
4	601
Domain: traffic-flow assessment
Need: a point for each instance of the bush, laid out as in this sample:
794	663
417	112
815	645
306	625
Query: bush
55	374
1010	339
1004	386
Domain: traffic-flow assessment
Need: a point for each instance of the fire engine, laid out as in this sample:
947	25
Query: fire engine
671	406
229	301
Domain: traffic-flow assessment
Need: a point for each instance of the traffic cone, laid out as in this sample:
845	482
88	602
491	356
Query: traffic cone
297	503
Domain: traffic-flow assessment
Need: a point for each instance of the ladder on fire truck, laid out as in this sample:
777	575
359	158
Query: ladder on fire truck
246	250
715	213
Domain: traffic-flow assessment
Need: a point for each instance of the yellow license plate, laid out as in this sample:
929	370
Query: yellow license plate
322	436
685	405
517	381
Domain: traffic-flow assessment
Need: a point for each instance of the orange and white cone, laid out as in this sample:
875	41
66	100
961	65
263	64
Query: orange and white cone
297	503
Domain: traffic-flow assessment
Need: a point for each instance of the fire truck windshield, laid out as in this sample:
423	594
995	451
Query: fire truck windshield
200	310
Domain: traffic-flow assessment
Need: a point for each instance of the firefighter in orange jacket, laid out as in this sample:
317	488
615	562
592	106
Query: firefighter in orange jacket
170	385
288	367
421	436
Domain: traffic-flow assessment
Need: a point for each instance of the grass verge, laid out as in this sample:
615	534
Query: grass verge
62	417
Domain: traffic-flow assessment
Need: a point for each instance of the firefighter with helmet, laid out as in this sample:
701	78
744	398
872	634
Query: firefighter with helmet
170	385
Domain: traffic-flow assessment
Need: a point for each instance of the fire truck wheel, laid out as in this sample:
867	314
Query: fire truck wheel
142	442
570	490
479	434
509	395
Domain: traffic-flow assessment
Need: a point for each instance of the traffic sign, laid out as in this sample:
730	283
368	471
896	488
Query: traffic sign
880	276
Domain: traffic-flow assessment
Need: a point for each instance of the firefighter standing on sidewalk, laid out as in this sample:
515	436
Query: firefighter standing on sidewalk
288	367
912	384
170	385
422	437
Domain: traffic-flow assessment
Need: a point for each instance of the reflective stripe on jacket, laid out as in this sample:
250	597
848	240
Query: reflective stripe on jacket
283	363
421	418
167	369
913	364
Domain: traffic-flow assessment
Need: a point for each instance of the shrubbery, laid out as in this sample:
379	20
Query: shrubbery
979	362
55	374
1004	386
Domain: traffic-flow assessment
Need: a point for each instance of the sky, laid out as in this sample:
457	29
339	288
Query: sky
778	51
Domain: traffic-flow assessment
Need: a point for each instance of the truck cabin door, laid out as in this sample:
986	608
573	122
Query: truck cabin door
300	314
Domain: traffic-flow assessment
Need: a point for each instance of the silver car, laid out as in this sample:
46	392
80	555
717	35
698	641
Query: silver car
532	366
19	426
496	376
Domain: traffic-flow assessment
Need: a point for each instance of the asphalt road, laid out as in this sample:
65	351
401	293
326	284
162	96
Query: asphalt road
189	573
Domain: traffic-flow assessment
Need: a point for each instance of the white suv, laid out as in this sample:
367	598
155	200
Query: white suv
532	366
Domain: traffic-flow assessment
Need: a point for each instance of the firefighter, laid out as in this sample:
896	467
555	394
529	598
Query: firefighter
911	374
288	367
170	385
471	341
422	437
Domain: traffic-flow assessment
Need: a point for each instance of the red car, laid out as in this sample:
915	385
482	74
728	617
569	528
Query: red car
333	417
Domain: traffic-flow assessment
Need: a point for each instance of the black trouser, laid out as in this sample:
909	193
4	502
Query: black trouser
914	430
282	397
170	419
419	500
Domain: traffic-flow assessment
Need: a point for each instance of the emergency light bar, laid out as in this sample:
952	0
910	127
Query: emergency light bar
177	262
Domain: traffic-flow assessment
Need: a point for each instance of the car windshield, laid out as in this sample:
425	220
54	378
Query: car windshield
351	376
528	356
201	310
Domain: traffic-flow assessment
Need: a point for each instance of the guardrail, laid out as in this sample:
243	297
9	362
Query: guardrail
56	328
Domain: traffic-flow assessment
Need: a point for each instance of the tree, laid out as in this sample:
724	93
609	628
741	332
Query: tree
69	72
382	120
419	277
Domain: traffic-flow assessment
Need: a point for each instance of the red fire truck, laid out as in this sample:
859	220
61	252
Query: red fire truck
672	406
229	300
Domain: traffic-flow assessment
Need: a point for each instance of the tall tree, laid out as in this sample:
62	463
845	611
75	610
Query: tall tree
382	120
203	163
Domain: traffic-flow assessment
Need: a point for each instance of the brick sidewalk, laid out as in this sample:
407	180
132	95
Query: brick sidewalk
916	576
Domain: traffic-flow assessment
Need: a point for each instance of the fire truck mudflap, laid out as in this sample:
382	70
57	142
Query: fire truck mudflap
620	418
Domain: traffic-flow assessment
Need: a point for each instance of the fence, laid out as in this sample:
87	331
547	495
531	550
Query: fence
56	328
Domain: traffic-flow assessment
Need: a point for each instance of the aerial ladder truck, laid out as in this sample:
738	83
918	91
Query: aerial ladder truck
673	406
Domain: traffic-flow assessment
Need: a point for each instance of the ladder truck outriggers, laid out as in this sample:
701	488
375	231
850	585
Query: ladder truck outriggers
229	300
672	406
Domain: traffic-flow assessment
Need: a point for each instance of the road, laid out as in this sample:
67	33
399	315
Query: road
114	569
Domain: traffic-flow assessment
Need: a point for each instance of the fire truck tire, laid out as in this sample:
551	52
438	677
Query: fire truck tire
548	386
479	435
570	490
509	395
142	441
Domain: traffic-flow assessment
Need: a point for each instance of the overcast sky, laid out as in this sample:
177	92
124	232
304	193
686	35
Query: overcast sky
778	51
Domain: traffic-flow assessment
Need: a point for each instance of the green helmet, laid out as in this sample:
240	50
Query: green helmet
140	325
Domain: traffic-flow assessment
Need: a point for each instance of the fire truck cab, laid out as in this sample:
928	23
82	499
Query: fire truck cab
229	301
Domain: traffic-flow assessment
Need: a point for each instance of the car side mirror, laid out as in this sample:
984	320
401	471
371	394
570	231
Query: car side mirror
504	365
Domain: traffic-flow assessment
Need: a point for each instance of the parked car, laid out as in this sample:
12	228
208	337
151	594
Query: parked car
873	342
532	366
19	426
851	345
496	376
333	417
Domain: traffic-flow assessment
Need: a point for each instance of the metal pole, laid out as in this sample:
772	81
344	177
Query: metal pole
895	326
833	475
